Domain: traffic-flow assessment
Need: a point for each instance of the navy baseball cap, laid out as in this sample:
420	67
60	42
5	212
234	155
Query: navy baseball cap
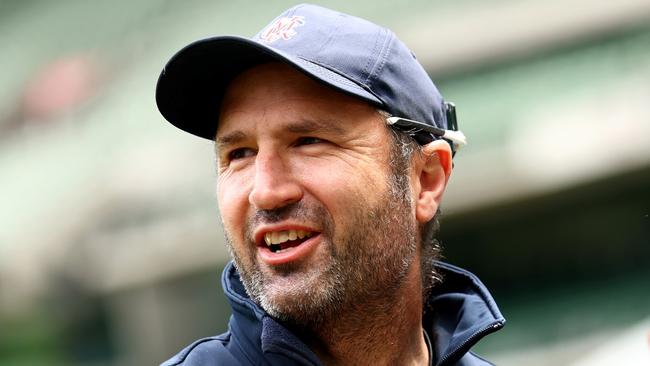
350	54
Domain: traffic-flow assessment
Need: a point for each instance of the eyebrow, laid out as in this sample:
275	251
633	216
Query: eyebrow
230	138
304	126
310	126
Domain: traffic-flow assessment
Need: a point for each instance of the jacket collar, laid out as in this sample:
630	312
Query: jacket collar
462	313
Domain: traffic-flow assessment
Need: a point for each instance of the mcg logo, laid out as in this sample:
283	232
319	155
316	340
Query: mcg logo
282	28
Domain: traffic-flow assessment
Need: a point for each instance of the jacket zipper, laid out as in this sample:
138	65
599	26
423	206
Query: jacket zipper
489	329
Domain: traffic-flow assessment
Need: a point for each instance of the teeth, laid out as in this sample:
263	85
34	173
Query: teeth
278	237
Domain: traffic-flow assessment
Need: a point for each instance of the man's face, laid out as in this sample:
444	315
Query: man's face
307	197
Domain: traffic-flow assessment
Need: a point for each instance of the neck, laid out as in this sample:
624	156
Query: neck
386	331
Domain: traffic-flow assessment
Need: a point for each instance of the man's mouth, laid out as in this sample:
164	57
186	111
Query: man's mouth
281	241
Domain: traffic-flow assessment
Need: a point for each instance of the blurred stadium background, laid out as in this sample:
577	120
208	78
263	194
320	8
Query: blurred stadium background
110	241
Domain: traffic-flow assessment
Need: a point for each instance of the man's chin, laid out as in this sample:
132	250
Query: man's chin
288	286
300	298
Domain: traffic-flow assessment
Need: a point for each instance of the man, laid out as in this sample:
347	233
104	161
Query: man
333	150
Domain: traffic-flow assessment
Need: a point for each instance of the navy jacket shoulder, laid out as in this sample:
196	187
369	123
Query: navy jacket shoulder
463	312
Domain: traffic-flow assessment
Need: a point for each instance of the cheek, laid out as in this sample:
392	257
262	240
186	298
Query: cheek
232	199
340	189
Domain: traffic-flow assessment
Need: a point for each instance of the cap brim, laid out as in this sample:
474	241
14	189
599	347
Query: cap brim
192	84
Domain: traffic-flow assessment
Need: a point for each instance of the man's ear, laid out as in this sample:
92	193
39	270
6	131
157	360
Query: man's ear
433	171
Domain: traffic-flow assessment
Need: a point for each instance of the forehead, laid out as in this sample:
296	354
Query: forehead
275	94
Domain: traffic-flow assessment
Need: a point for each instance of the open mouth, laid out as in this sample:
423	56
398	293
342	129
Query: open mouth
281	241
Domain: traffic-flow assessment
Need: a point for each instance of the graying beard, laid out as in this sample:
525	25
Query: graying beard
312	311
343	286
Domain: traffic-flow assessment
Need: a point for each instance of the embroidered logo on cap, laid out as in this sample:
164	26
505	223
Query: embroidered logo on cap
282	28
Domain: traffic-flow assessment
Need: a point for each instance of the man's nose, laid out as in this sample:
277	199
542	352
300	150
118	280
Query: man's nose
274	184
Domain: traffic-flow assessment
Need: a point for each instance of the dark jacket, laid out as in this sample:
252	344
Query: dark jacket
464	312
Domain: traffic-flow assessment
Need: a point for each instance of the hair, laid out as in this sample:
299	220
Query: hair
403	149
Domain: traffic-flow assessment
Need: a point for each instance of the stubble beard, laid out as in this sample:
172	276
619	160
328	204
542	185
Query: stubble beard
369	262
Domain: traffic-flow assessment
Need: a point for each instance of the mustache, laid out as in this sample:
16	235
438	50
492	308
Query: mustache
296	210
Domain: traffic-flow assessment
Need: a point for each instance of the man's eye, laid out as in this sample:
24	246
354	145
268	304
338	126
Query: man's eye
308	141
240	153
